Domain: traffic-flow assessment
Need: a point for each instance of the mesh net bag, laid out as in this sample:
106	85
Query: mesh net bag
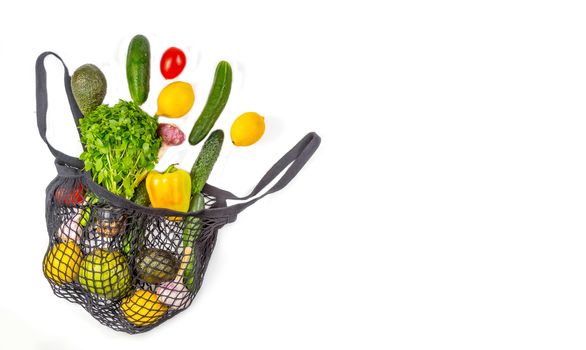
133	267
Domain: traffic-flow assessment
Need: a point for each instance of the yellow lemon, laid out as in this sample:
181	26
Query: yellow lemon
175	100
143	308
247	129
61	264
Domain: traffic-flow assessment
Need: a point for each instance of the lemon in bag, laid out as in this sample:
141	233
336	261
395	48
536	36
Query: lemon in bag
61	264
143	308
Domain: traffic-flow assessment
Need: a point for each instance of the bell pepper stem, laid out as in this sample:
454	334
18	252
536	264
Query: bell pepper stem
171	169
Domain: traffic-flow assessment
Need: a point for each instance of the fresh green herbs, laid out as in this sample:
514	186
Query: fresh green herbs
121	146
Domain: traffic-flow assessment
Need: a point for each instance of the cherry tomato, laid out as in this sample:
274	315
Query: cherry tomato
69	195
172	63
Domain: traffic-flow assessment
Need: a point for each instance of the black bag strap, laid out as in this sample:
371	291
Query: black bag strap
43	104
295	159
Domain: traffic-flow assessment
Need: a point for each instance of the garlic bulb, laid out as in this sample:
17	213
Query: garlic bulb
175	294
71	229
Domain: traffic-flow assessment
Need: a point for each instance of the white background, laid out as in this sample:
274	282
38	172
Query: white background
444	210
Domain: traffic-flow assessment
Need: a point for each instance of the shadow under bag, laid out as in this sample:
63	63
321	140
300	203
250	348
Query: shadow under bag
133	267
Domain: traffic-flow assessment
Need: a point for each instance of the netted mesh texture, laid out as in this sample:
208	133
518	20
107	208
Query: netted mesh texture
130	267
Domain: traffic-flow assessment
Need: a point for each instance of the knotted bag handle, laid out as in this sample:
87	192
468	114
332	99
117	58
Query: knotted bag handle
295	159
43	104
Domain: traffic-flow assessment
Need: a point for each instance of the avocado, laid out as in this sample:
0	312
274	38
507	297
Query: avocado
89	87
156	266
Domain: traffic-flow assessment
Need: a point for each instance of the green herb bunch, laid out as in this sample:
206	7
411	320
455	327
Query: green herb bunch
121	146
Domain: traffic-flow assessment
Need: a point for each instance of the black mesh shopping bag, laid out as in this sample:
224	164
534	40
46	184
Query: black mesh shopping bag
133	267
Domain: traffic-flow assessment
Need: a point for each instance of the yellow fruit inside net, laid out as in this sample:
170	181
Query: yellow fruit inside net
143	308
61	264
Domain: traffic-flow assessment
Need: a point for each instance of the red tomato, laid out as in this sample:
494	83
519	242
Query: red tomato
172	63
68	195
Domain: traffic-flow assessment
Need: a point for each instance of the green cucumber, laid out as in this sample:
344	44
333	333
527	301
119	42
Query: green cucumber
88	204
199	175
138	68
215	104
205	161
127	243
190	234
141	195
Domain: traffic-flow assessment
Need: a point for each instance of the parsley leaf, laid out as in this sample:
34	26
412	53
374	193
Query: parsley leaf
121	146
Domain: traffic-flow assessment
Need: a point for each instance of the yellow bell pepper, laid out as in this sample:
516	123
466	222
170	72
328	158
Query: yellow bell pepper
170	190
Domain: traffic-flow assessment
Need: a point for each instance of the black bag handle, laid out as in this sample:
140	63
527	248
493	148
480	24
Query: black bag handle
43	104
296	158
